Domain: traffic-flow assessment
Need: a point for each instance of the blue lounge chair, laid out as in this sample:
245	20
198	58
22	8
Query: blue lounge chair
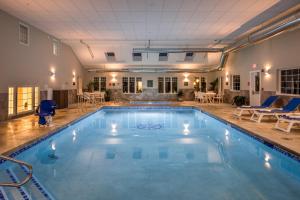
266	104
287	109
45	110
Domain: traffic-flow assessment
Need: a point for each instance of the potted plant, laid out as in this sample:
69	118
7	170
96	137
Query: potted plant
90	86
180	95
239	100
107	95
214	85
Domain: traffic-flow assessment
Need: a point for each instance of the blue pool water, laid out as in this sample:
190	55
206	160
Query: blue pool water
158	154
152	102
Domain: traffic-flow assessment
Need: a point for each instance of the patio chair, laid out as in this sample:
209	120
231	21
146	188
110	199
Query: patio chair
102	96
45	111
266	104
202	97
290	120
219	98
196	93
287	109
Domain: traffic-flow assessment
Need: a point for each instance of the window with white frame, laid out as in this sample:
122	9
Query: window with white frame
290	81
160	84
36	97
174	84
96	83
125	85
235	82
11	101
24	99
55	47
132	85
99	83
203	84
139	85
24	34
103	84
167	85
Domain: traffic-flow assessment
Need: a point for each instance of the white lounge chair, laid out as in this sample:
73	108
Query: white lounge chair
250	109
290	120
287	109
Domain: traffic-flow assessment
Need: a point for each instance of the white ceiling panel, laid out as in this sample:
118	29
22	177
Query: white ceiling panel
175	22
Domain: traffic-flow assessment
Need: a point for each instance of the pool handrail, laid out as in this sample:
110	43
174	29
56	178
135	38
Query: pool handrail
29	172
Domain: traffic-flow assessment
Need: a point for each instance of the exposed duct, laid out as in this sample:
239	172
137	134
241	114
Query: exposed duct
177	50
274	27
151	70
88	47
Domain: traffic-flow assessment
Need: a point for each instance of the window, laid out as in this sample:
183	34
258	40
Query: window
99	83
139	85
197	84
235	82
23	34
11	100
160	85
103	84
290	81
149	83
125	84
24	97
55	47
96	83
174	84
132	85
36	97
167	85
203	84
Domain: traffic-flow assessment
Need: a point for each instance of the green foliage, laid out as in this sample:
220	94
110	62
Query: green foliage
91	86
214	85
239	100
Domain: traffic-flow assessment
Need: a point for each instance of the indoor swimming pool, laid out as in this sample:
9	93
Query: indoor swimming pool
146	153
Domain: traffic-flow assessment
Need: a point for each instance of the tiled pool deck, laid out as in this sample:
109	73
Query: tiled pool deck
16	133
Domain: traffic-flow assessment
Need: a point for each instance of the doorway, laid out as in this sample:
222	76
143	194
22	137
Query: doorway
255	85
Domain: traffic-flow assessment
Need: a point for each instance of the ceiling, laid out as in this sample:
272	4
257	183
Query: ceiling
120	25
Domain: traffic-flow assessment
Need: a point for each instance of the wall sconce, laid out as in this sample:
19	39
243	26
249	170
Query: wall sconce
52	74
114	80
186	75
227	78
74	78
266	71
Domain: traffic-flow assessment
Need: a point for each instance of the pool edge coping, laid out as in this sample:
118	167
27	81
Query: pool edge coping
265	141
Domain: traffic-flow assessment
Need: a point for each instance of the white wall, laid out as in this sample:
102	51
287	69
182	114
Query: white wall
279	52
30	65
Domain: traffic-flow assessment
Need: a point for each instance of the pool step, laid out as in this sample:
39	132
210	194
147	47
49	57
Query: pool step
8	193
13	193
32	190
35	189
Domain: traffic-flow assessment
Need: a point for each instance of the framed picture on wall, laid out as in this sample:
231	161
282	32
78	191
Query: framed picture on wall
150	83
185	83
